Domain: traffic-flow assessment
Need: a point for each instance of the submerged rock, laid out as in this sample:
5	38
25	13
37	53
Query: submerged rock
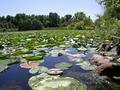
99	59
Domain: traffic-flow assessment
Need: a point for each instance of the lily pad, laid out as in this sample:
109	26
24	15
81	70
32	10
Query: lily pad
55	71
34	70
3	67
63	65
86	65
55	53
21	52
42	69
38	69
82	48
118	59
41	54
63	83
34	58
30	64
2	56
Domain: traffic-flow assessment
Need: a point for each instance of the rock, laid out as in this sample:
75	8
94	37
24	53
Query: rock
60	54
99	59
118	50
54	71
108	69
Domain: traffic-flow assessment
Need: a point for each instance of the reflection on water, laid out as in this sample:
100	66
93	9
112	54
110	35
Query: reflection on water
16	78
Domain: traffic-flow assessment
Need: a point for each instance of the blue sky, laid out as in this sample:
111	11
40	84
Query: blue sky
62	7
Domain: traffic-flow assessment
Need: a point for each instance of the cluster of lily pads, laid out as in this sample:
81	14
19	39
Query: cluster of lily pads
29	50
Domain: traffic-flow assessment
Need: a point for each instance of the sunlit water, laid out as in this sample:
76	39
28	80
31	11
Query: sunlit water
16	78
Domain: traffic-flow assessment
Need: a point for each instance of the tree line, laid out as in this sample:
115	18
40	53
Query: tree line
110	20
22	21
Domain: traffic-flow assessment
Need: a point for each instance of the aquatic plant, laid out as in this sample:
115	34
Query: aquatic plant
86	65
30	64
3	67
63	65
55	71
55	83
38	69
34	58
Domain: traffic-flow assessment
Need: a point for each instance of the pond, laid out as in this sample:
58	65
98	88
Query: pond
16	78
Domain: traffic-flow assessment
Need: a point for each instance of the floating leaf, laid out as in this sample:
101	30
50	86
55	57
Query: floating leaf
86	65
34	70
63	65
30	64
33	58
42	69
38	69
82	48
3	67
21	52
63	83
55	53
2	56
54	71
118	59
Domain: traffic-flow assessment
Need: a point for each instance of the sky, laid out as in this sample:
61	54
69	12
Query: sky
43	7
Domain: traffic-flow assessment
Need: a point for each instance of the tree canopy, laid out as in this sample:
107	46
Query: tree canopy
22	21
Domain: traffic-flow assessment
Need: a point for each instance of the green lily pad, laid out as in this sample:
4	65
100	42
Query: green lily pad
82	48
118	59
55	83
3	67
39	69
63	65
86	65
21	52
42	69
34	70
34	58
2	56
8	62
41	54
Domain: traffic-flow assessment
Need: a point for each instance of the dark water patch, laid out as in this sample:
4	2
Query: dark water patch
15	76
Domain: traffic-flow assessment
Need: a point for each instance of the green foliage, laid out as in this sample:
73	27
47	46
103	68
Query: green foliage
22	22
79	26
108	25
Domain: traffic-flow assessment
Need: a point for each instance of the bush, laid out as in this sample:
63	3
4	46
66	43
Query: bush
79	26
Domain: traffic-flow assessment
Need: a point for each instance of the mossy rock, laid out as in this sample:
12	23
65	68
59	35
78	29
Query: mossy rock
55	83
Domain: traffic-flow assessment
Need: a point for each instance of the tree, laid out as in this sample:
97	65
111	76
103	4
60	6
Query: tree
67	17
54	19
79	16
